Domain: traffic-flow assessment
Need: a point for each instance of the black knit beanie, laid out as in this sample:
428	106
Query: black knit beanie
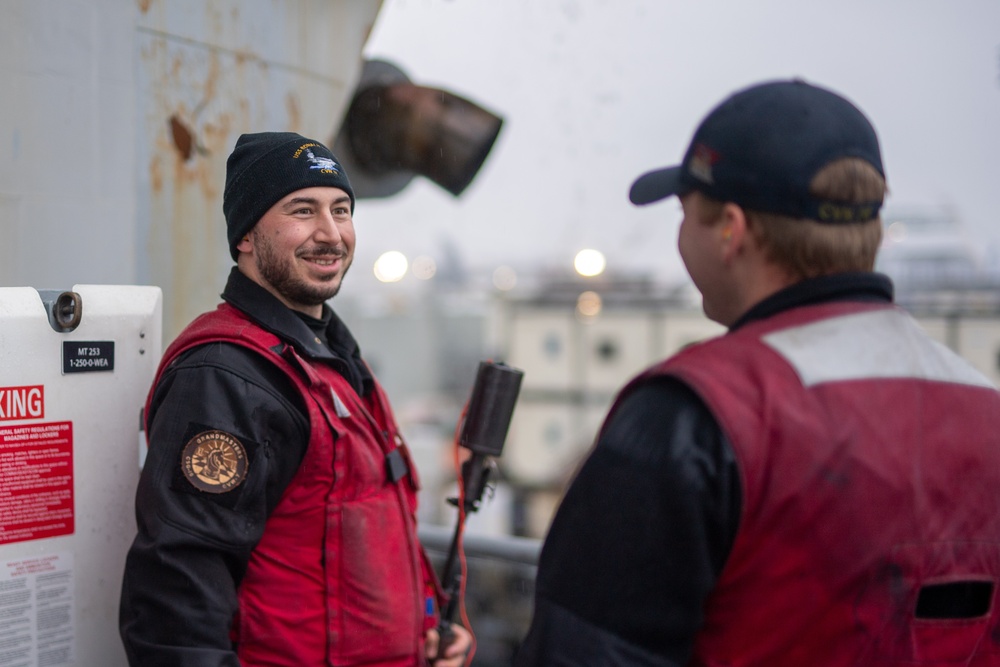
266	166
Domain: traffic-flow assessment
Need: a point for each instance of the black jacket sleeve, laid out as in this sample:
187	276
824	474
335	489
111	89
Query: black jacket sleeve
192	547
639	539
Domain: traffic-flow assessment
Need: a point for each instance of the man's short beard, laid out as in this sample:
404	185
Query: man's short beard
278	274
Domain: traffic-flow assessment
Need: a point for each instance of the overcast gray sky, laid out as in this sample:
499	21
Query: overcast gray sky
594	92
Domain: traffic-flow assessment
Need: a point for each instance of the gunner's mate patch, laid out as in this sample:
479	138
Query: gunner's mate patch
214	462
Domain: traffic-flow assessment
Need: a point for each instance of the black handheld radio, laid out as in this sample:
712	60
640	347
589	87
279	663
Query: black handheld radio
487	421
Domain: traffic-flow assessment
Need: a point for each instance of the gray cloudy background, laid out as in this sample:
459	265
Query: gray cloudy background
594	92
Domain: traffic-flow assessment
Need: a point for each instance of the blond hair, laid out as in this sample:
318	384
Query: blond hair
808	248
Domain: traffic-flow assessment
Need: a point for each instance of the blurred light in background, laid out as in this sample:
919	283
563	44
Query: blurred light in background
588	304
896	231
589	262
504	278
424	267
391	266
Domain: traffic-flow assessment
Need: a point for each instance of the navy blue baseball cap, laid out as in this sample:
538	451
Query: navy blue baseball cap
761	147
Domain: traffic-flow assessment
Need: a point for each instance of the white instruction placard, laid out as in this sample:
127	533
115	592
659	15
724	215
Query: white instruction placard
36	611
70	418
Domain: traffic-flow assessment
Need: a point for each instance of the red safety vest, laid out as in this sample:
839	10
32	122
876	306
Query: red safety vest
870	465
339	577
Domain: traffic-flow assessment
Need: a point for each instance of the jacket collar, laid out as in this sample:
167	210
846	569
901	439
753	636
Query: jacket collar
271	315
866	287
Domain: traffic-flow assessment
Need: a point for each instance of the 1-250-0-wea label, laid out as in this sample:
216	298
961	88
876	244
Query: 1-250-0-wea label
36	481
88	356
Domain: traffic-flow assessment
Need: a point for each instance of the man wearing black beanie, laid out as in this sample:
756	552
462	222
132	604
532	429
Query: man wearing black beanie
277	505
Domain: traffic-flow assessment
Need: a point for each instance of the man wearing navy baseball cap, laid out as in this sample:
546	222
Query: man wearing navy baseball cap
815	487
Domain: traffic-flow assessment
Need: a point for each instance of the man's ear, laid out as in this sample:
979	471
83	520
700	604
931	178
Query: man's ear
245	244
733	231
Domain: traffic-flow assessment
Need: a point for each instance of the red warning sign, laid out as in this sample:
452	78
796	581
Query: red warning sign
22	402
36	481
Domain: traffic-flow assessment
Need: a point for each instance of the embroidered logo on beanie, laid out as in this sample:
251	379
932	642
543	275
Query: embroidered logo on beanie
324	164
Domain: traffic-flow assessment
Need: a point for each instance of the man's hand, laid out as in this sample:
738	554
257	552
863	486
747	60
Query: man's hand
454	653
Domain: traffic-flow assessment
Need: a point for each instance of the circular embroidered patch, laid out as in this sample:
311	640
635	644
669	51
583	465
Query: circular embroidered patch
214	461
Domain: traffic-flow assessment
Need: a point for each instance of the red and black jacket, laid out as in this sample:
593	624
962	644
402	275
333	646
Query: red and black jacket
313	558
